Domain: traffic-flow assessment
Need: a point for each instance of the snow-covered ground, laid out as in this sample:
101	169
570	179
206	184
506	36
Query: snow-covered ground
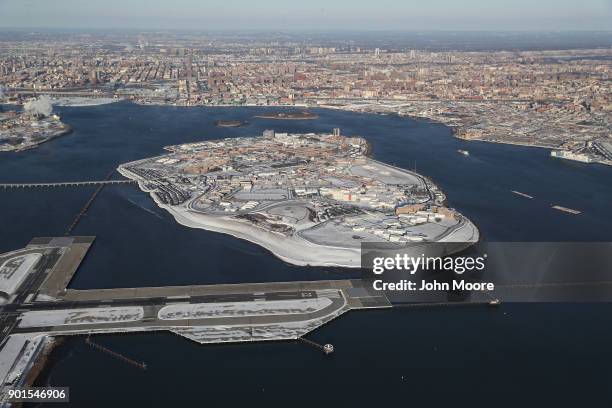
331	244
14	270
82	101
295	249
81	316
242	309
229	334
12	361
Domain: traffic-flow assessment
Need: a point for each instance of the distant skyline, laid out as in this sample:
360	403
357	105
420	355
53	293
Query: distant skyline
274	15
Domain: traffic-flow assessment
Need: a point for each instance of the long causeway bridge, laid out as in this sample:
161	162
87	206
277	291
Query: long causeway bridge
65	184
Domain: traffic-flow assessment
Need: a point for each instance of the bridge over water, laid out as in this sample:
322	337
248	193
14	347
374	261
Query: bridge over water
65	184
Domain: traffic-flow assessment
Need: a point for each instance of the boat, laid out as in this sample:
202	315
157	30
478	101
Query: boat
567	210
522	194
463	152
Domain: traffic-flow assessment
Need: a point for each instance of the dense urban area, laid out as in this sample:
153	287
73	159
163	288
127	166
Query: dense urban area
558	99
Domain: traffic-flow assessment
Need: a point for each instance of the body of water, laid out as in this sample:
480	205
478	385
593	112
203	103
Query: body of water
546	354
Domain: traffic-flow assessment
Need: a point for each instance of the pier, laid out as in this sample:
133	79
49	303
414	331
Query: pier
118	356
88	204
327	348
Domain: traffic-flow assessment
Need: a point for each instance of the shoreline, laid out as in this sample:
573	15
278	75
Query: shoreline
290	250
288	116
504	143
285	249
547	147
39	362
343	108
281	247
64	132
295	249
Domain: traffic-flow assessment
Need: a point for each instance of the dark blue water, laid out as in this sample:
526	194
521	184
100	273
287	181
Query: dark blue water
530	353
138	244
521	355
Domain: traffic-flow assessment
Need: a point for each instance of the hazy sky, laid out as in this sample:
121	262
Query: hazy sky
310	14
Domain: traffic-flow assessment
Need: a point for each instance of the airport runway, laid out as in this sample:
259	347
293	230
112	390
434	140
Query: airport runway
43	306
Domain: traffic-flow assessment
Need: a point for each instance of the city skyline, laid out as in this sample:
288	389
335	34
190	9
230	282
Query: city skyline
250	174
589	15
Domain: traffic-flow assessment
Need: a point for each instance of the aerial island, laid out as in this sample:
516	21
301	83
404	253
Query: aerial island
34	125
311	199
229	123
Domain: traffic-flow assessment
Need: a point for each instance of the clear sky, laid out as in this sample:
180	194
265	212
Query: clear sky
272	15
